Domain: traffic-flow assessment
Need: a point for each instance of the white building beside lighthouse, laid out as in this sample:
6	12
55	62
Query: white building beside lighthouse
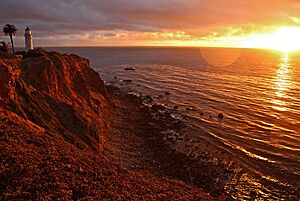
28	39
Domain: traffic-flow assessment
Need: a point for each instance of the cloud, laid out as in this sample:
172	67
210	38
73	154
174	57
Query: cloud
197	18
295	20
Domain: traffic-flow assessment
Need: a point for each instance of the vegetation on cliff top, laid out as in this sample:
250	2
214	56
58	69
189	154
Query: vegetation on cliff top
10	30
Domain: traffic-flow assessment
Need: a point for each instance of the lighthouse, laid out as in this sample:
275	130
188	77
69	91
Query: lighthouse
28	39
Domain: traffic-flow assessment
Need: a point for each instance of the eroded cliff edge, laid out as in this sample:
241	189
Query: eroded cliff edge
59	93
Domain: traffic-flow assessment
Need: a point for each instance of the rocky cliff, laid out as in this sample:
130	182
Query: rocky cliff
56	121
59	93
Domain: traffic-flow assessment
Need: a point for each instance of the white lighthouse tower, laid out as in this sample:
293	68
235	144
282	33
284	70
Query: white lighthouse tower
28	39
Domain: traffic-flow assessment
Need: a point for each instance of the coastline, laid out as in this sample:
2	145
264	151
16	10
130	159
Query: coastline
55	135
151	131
196	163
74	137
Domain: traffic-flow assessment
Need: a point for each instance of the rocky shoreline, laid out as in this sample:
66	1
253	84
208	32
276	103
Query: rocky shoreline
64	135
157	131
196	162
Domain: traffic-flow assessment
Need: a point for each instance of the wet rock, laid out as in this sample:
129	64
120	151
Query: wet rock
189	108
134	94
176	107
253	195
127	81
148	98
130	68
147	104
220	116
158	107
176	116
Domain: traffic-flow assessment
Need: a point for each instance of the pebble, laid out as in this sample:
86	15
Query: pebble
81	169
189	108
130	68
175	107
221	116
127	81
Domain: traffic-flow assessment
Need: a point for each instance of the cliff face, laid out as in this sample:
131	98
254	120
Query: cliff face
60	93
9	72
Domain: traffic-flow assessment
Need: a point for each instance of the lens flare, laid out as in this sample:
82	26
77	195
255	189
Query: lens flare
217	57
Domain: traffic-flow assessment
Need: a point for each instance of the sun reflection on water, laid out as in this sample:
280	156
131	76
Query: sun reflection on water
282	82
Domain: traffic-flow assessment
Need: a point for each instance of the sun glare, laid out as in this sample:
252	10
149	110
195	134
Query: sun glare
285	39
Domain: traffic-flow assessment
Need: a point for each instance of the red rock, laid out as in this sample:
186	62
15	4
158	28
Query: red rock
60	93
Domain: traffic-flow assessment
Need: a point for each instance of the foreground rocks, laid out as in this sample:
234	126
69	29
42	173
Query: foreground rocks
35	164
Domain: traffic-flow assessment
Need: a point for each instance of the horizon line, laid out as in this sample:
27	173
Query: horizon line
148	46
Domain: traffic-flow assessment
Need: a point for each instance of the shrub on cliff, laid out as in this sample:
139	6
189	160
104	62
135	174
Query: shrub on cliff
36	52
4	55
4	47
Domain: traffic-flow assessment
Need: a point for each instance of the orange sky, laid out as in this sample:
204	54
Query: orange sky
233	23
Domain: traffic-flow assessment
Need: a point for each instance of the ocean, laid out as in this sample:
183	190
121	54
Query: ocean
243	102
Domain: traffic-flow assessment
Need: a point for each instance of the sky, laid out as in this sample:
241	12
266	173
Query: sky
230	23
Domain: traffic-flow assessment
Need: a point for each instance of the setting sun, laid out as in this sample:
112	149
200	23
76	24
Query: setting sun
285	39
